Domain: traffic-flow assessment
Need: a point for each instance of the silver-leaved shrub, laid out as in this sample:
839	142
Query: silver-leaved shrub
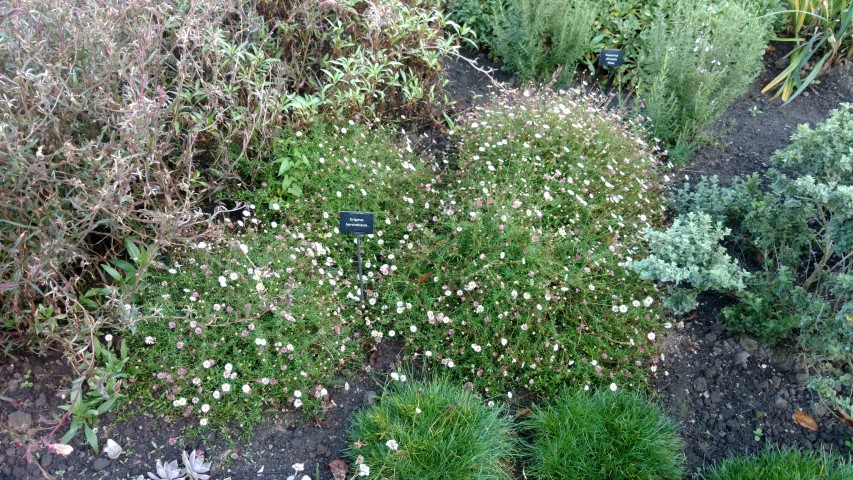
689	257
794	227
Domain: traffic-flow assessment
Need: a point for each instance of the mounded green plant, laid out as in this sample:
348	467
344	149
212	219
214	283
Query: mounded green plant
615	435
263	315
513	275
535	38
432	430
782	464
688	255
698	58
825	151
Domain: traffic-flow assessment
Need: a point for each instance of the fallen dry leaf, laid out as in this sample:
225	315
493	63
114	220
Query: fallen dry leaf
805	420
844	417
339	469
60	448
422	279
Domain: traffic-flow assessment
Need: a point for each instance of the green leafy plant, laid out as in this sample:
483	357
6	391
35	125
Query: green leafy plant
103	392
292	164
781	464
770	308
535	38
431	430
825	151
822	31
688	255
615	435
478	15
698	58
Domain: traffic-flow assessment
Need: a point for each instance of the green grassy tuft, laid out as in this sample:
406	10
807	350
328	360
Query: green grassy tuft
603	435
439	431
782	464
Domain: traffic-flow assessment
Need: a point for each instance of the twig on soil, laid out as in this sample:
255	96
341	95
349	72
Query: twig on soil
485	71
47	476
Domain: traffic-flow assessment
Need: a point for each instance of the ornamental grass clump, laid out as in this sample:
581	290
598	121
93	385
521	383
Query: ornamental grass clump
434	431
614	435
782	464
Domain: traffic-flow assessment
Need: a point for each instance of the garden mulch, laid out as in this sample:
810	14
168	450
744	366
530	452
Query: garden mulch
720	386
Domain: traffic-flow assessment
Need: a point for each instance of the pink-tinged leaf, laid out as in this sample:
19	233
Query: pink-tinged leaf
60	448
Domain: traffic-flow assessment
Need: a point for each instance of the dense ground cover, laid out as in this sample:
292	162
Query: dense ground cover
503	263
492	266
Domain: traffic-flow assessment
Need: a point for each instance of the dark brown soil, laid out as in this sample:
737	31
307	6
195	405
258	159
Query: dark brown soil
757	125
721	387
279	442
732	394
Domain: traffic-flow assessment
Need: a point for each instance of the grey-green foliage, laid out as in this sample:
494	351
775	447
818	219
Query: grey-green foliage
798	231
688	255
536	37
698	58
824	152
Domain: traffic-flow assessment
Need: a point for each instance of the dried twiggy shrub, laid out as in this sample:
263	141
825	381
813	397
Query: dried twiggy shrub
106	108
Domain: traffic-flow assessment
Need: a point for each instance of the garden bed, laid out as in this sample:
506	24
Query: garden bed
722	387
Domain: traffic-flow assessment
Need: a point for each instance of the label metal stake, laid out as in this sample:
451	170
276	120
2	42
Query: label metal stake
358	224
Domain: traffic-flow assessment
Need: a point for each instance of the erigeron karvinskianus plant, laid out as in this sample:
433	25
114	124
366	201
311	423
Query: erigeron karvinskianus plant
196	467
689	257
